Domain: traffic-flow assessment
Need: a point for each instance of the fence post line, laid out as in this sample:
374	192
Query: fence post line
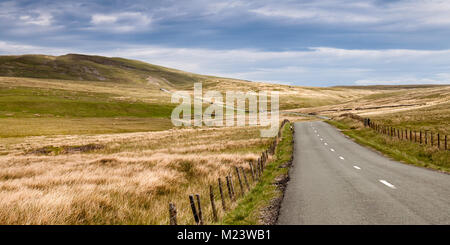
258	167
431	138
232	186
445	147
240	181
426	137
415	136
213	204
439	141
251	170
245	178
194	210
172	214
200	216
224	207
230	193
420	135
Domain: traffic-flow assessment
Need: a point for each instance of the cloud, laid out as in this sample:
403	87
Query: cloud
42	19
317	66
9	48
120	22
375	15
316	15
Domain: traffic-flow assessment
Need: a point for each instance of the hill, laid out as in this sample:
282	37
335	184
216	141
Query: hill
92	68
79	94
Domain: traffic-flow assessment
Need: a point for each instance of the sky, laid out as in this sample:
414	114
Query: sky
310	43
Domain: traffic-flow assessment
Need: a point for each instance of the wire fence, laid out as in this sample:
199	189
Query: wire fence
227	194
423	137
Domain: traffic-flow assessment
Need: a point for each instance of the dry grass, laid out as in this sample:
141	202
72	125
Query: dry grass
395	100
128	181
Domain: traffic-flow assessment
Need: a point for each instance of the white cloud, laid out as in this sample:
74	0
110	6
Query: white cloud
9	48
98	19
315	66
316	15
42	19
392	15
120	22
320	65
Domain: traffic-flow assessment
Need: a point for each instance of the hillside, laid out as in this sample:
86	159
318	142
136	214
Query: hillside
92	68
80	94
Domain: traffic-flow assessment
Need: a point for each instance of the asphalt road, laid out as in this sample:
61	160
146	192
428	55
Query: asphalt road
334	180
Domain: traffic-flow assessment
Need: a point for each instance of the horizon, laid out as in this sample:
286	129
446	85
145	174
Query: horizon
323	86
317	44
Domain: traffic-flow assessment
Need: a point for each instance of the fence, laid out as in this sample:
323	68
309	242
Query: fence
423	137
227	188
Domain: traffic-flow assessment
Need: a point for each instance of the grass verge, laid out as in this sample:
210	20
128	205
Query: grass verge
251	208
403	151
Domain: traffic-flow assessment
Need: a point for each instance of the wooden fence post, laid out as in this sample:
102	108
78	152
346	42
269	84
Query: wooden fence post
194	210
240	181
230	193
172	214
258	168
251	170
415	136
445	147
224	207
200	216
439	141
245	178
232	186
213	204
431	138
426	137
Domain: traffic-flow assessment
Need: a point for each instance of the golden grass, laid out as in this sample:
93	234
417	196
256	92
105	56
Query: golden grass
129	181
19	127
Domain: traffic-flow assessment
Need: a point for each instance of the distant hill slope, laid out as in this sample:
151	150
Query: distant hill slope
93	68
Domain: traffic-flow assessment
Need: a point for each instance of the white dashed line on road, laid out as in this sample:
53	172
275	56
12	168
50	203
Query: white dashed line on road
387	184
321	139
357	167
325	143
331	149
341	157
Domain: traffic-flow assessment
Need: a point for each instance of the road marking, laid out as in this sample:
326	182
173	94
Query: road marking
331	149
357	167
387	183
325	143
341	158
321	139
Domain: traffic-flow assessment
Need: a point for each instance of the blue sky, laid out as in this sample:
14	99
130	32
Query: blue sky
313	43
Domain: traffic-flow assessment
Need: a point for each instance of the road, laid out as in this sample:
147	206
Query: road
334	180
